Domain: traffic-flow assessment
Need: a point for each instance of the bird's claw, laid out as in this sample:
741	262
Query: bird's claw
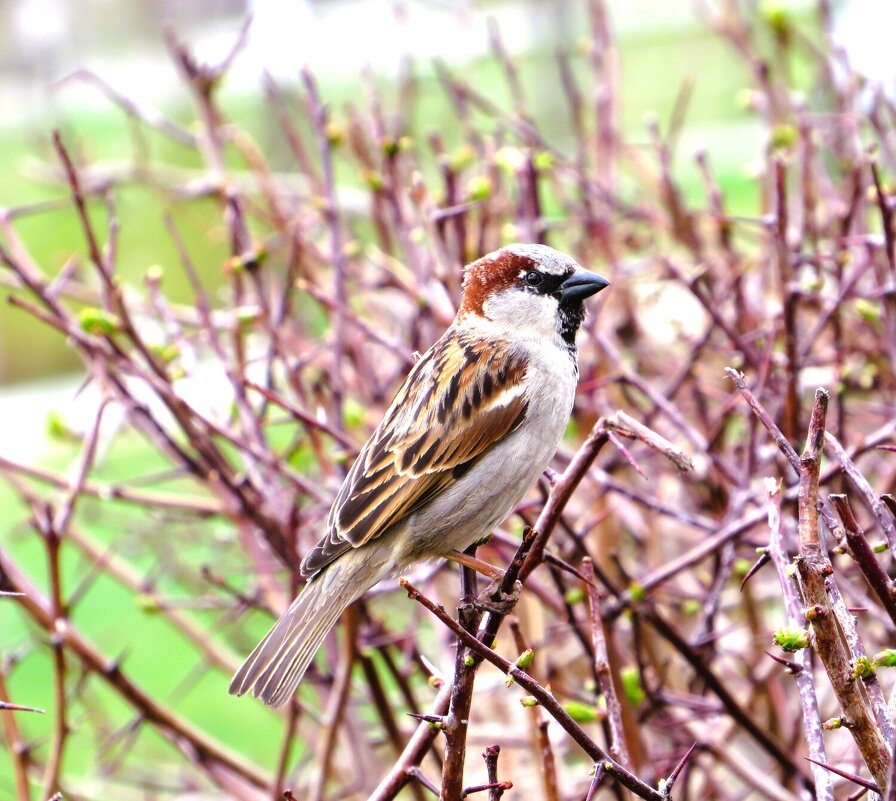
494	599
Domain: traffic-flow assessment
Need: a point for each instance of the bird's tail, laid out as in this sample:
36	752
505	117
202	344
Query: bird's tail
274	669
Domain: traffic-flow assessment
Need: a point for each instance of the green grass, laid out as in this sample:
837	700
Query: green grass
153	652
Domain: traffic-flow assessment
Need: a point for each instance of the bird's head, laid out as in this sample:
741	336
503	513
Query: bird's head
529	289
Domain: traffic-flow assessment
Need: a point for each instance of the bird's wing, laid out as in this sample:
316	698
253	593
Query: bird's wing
463	396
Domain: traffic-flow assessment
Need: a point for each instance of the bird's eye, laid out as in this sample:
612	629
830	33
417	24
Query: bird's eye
534	278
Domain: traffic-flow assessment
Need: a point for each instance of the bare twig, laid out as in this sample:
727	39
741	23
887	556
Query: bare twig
864	556
618	749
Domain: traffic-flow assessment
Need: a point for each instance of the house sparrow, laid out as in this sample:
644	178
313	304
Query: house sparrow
472	428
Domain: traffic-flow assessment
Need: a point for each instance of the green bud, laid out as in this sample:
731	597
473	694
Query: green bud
146	603
783	136
879	547
461	158
631	685
525	658
574	595
863	668
582	713
257	257
691	606
637	591
58	429
154	274
479	187
165	353
247	316
98	321
777	17
389	146
741	567
868	311
469	660
529	701
832	723
509	681
885	658
867	375
353	413
334	133
791	638
249	260
373	179
543	161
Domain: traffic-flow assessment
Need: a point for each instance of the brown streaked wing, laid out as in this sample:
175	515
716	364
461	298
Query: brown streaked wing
469	395
329	548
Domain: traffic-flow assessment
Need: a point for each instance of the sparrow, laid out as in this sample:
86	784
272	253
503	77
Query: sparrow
472	428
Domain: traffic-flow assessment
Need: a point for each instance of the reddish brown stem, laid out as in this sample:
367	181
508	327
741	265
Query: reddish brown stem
814	568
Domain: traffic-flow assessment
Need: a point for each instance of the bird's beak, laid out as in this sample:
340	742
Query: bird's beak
582	284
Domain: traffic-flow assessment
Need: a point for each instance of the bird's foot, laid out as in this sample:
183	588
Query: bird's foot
493	599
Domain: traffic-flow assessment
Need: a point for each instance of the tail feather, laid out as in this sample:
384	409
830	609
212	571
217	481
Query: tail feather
274	669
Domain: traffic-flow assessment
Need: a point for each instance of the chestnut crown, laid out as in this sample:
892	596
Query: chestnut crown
530	288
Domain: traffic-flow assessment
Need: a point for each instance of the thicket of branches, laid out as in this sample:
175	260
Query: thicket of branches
640	659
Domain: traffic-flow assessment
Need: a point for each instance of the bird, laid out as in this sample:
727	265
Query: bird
471	429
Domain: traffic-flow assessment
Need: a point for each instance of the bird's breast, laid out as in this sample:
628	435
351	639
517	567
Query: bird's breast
470	508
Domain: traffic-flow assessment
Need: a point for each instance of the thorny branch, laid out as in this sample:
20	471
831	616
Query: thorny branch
542	695
814	567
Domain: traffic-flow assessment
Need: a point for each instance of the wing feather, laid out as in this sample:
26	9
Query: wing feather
470	394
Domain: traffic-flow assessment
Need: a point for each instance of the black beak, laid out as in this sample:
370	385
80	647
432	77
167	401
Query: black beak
580	285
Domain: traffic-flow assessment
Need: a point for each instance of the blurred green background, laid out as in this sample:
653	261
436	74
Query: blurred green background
664	47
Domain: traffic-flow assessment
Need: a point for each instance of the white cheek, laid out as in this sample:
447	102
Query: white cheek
520	311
